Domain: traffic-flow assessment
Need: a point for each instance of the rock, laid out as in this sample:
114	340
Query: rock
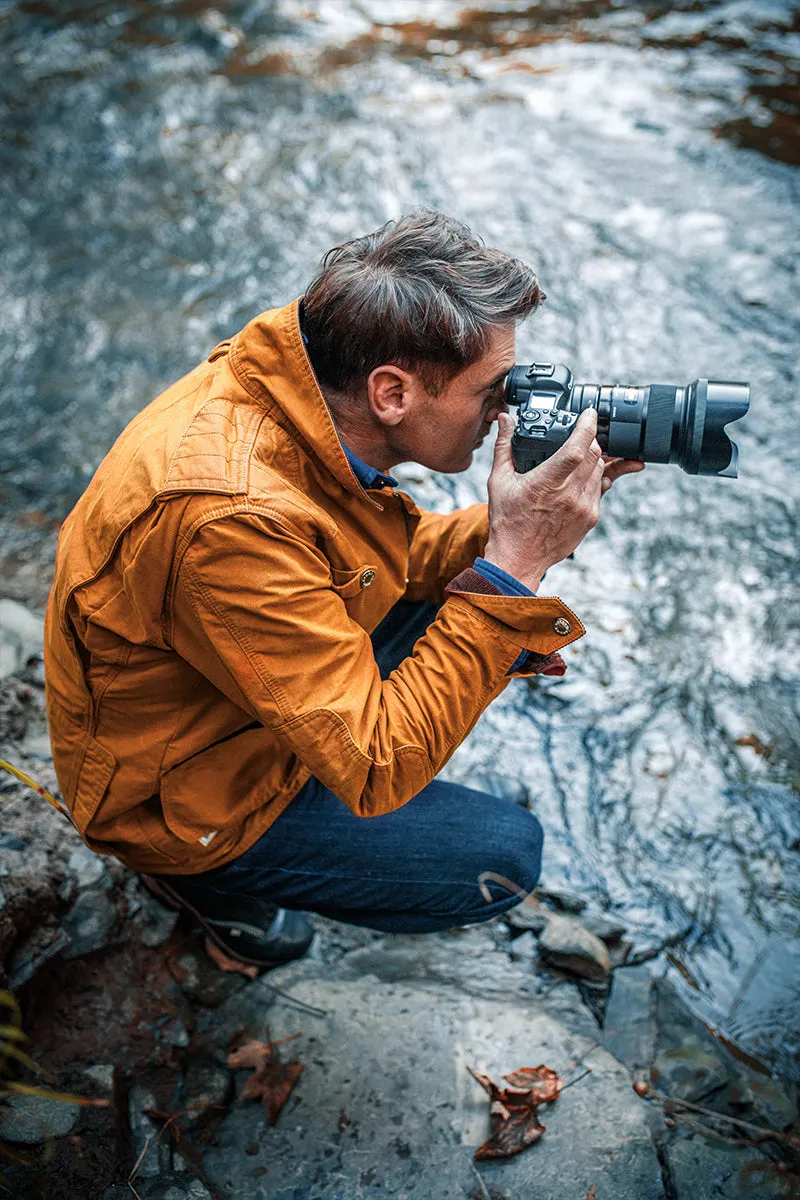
561	899
21	637
174	1033
564	943
26	961
155	923
705	1170
10	841
690	1064
526	916
102	1077
87	867
604	927
90	923
206	1088
31	1120
172	1185
200	980
524	948
385	1106
153	1154
627	1032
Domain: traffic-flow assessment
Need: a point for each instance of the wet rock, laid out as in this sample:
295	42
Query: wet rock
31	1120
101	1077
566	944
200	980
172	1185
627	1032
153	1154
526	916
155	922
87	867
524	948
206	1088
174	1033
385	1105
604	927
21	637
34	954
565	901
10	841
90	923
690	1064
705	1170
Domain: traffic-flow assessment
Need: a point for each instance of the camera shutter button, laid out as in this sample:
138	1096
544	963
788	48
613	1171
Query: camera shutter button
562	626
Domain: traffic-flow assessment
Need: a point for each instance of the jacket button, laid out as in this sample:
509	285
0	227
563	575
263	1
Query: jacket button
367	578
562	626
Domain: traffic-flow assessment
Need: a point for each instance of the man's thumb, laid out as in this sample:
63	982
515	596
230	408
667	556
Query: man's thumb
502	447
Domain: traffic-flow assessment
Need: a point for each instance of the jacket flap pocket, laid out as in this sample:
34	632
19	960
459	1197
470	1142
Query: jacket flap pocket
95	774
349	583
220	786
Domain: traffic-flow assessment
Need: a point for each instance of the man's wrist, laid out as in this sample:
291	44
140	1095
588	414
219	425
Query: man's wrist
528	573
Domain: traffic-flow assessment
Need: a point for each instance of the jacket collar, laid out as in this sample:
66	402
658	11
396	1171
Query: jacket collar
270	361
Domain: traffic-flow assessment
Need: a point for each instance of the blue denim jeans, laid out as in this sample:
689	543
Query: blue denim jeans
415	870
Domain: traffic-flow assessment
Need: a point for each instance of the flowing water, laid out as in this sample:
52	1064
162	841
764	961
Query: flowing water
167	170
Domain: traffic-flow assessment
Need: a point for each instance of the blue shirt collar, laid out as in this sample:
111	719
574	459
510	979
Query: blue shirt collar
367	476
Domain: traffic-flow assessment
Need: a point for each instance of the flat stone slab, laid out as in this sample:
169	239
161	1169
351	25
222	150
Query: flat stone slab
385	1105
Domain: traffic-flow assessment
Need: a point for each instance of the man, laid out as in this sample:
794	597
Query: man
254	641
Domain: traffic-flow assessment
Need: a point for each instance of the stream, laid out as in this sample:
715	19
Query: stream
168	170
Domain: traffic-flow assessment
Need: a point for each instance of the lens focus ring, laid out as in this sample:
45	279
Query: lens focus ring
658	427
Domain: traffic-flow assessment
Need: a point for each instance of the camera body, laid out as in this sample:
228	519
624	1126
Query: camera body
653	422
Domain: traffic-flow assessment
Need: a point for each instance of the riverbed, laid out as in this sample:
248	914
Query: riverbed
169	170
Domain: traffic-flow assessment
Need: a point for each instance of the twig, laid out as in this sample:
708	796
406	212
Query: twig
788	1139
713	1133
479	1177
139	1161
577	1079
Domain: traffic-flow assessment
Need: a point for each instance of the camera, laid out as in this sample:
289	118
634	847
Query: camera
655	422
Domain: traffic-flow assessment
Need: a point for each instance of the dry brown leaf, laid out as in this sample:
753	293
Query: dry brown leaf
514	1115
592	1192
222	960
521	1129
271	1082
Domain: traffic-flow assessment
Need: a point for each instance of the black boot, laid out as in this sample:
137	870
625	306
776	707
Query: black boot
253	931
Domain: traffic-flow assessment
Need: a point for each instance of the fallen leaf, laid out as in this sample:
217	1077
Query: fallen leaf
592	1192
272	1081
540	1082
522	1128
221	959
514	1114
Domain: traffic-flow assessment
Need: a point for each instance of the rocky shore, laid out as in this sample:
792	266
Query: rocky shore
122	1003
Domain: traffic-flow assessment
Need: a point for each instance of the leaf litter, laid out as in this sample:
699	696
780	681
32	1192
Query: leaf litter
272	1081
514	1115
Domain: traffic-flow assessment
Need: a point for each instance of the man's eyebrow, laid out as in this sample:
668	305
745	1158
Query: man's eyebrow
485	387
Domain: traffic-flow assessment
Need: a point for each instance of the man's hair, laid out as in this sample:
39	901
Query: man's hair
422	292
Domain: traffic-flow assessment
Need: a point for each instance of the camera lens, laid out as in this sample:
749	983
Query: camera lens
662	423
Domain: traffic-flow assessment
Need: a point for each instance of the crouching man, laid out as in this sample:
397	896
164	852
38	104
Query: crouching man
255	641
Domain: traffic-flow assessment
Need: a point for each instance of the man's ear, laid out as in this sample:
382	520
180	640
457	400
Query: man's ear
388	391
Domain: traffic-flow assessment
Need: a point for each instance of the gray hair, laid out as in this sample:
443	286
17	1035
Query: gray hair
422	292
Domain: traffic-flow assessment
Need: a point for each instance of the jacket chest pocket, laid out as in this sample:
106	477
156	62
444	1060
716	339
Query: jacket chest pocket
348	584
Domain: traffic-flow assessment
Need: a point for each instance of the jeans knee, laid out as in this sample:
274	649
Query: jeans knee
519	858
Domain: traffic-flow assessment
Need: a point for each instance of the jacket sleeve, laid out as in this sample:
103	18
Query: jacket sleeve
255	611
442	547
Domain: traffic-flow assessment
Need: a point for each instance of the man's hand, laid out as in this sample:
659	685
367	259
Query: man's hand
539	517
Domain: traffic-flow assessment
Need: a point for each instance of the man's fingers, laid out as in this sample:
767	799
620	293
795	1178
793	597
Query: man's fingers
580	451
622	466
502	447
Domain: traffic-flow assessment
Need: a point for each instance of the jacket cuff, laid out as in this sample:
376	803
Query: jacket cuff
543	624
